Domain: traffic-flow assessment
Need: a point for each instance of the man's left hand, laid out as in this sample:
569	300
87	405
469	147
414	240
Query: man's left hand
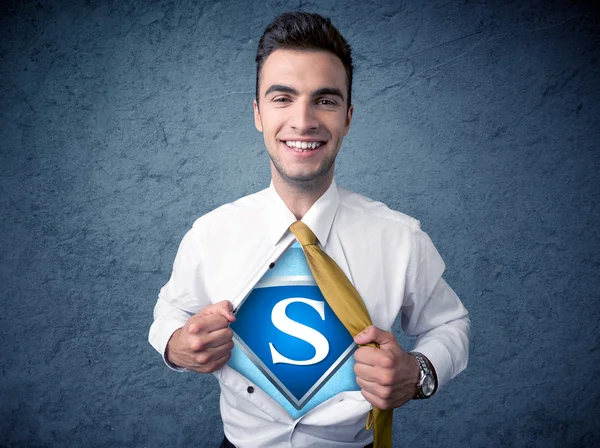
387	375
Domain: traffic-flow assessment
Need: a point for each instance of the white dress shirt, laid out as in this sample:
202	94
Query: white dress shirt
392	263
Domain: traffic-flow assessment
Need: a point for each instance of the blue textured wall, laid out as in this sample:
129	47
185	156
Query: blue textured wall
123	121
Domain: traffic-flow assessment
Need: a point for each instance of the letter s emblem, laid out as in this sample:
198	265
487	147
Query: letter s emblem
283	323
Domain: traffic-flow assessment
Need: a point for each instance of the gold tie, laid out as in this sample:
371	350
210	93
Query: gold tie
348	306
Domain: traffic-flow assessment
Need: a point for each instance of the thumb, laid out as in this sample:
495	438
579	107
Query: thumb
225	308
374	334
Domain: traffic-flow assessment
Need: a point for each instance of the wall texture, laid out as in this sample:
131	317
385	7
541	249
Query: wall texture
123	121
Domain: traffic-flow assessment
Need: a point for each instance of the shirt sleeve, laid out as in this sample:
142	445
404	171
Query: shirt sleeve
433	312
180	298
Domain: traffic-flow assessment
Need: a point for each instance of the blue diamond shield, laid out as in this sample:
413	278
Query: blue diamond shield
289	332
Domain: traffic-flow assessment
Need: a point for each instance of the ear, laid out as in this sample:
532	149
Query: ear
257	120
348	120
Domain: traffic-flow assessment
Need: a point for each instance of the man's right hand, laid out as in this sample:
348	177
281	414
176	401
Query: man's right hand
204	343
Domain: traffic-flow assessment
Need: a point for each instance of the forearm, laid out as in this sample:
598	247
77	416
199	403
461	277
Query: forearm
167	320
447	348
443	328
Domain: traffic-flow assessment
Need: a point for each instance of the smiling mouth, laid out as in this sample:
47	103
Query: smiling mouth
303	146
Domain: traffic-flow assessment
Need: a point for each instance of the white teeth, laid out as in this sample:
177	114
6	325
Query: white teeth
303	145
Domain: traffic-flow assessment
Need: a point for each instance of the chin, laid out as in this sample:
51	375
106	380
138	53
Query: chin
306	179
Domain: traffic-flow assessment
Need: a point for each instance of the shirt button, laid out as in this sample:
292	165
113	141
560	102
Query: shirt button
250	389
271	265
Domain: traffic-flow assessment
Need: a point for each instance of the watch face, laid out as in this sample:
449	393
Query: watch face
428	386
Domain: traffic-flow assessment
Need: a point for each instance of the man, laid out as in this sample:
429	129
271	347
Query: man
303	108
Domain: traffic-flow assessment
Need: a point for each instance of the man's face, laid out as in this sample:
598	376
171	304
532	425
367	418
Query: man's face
303	97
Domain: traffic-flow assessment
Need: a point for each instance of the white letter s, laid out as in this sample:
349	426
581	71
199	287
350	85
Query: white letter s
283	323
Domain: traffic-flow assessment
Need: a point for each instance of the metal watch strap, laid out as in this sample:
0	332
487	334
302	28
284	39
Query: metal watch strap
423	370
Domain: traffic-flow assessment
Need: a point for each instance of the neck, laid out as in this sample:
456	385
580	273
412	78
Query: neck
299	198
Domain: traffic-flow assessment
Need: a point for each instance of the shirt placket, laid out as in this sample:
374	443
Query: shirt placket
268	264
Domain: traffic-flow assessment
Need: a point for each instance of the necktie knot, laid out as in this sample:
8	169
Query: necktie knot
304	235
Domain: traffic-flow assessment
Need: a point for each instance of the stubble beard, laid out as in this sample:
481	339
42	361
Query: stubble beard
309	181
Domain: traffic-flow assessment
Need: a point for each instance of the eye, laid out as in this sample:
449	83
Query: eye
280	100
326	102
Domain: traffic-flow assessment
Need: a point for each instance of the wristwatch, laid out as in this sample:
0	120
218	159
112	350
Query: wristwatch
427	381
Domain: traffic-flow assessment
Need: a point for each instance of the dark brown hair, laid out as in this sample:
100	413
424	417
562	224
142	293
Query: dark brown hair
303	31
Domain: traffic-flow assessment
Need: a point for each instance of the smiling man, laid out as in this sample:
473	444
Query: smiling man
365	266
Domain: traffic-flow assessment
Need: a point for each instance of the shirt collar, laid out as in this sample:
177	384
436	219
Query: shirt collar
319	218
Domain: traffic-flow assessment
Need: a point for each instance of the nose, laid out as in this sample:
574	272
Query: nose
303	118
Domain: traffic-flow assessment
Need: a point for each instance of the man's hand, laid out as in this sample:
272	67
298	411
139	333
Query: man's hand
387	375
204	343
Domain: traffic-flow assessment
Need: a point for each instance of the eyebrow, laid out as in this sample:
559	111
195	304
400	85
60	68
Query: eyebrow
319	92
329	91
281	89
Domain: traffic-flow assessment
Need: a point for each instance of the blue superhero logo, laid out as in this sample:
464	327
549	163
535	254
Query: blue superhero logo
293	337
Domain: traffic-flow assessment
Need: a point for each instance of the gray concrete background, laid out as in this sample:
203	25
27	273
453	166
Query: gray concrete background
123	121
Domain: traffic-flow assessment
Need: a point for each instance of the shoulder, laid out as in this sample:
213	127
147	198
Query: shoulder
375	212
